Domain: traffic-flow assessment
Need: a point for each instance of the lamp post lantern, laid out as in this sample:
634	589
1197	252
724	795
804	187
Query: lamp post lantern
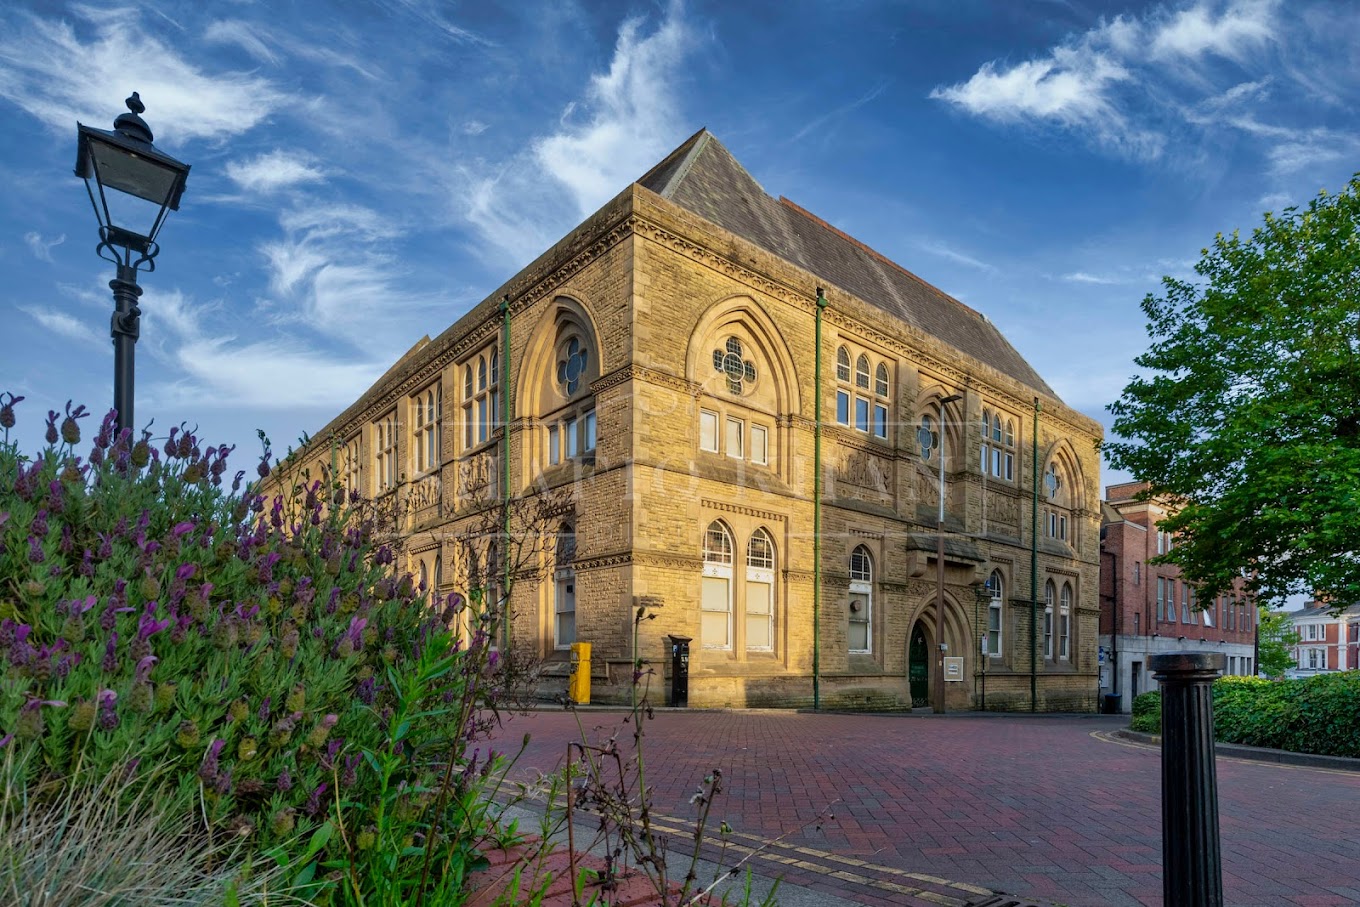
146	183
929	439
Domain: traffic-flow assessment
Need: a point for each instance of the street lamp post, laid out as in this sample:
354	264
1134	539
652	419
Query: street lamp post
125	160
927	442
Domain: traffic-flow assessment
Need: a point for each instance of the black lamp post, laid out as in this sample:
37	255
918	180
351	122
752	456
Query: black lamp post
126	161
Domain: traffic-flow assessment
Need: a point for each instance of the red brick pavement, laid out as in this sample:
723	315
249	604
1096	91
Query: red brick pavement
1029	805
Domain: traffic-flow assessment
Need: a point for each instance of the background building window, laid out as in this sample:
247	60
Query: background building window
715	630
861	601
760	592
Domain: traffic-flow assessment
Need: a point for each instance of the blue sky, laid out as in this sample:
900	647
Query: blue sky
365	171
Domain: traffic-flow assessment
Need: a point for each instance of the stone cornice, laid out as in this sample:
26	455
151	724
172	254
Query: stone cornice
633	372
726	507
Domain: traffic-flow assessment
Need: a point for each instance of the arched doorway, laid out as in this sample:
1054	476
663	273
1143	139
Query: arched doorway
918	667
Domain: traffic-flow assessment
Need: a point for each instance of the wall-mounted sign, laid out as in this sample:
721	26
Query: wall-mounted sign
953	668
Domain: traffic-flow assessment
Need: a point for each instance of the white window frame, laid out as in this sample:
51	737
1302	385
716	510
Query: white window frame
760	570
996	614
1065	622
717	566
1050	592
385	453
564	587
708	430
427	406
862	584
734	429
760	453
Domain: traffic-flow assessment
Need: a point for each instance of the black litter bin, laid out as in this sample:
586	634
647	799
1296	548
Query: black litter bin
1109	703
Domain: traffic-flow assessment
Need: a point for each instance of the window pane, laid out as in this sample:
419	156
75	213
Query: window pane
554	445
758	597
862	371
736	447
588	441
859	622
715	611
570	427
481	419
842	407
842	364
985	459
861	414
481	373
759	440
881	380
708	430
880	421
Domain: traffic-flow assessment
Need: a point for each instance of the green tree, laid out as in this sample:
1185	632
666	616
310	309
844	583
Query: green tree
1247	416
1276	639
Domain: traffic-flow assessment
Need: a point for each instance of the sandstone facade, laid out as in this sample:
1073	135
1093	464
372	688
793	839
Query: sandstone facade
662	368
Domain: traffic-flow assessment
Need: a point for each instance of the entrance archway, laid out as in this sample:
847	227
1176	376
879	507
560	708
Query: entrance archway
918	667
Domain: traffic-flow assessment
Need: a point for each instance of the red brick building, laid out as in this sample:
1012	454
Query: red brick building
1147	608
1327	642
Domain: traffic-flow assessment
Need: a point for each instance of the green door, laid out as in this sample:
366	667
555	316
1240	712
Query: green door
918	668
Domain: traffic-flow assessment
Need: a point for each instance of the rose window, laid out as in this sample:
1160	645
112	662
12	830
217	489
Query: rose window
572	366
733	365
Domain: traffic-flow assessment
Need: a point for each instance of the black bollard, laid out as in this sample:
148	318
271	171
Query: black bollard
1192	864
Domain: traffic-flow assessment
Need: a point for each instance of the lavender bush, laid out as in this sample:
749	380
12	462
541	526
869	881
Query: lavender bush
245	653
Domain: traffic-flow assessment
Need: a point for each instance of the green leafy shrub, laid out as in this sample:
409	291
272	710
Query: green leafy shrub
1318	715
256	656
1147	713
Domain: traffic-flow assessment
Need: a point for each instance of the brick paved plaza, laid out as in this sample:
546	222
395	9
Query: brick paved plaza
933	809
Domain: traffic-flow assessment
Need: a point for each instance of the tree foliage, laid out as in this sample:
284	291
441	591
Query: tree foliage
1247	416
1276	641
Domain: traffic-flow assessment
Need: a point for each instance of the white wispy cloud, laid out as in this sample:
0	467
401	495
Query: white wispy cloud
627	118
64	325
954	255
1118	83
51	71
274	171
42	248
817	122
1083	277
243	35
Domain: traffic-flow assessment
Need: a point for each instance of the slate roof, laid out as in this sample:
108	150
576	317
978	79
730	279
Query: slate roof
703	177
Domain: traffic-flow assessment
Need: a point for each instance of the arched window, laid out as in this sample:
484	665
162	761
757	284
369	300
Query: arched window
931	453
760	592
426	407
572	430
564	587
479	398
996	587
998	446
1056	493
438	571
1065	622
842	364
881	380
715	629
861	601
862	371
1049	594
385	458
424	577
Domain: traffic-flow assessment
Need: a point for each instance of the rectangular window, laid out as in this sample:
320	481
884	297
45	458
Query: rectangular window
985	459
564	607
842	407
570	436
482	420
1064	633
861	414
1171	600
1137	573
1211	613
588	432
759	611
1232	616
860	638
996	462
759	445
1048	633
708	431
994	629
880	420
1161	598
1135	624
1187	599
1062	528
1010	468
554	445
736	431
716	605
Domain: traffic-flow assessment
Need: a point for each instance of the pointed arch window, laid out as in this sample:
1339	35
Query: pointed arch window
861	605
997	458
572	431
843	365
1055	492
426	406
1049	595
715	629
479	397
354	459
760	567
862	372
996	587
1065	622
385	455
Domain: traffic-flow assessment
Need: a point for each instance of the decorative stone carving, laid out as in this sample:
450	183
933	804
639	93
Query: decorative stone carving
865	470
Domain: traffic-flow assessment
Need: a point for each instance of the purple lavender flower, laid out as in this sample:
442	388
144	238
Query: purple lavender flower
110	662
35	552
366	691
52	435
263	713
108	716
7	410
144	668
313	805
185	571
208	770
285	782
148	626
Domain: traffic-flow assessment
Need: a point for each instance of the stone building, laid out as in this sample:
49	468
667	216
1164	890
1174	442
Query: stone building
662	368
1328	641
1147	608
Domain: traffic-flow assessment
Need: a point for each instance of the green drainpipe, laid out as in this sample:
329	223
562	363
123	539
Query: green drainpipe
505	468
817	513
1034	575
